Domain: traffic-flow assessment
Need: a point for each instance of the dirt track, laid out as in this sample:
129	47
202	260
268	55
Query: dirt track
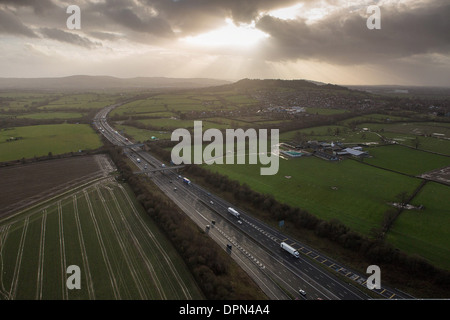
441	175
24	185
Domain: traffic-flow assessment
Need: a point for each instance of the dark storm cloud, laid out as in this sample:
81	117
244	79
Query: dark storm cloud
133	16
345	39
10	24
68	37
39	6
129	19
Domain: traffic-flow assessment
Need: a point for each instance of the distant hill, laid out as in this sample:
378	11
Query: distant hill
81	82
278	83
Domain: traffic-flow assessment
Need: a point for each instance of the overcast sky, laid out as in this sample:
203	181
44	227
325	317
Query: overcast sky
322	40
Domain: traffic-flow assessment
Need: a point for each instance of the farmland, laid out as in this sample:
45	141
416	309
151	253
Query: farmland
349	191
52	115
425	232
103	230
406	160
23	185
42	139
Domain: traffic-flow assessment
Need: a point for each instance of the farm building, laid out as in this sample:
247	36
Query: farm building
326	156
353	152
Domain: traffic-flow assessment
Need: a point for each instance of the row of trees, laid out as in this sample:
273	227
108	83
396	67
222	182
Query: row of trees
207	262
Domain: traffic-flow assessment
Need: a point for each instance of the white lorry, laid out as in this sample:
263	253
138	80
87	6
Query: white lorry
289	249
234	212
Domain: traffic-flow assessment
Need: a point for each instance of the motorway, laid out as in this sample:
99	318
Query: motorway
254	245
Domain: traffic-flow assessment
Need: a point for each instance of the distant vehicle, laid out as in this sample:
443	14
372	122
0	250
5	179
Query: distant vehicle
234	212
240	221
229	246
213	221
138	160
207	226
289	249
211	202
187	181
126	139
175	189
302	292
163	165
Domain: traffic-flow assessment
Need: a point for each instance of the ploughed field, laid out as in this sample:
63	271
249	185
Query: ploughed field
22	185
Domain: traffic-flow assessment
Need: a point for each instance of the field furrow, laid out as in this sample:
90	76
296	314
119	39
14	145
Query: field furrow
13	290
103	249
149	236
3	237
88	276
62	251
136	243
40	274
128	259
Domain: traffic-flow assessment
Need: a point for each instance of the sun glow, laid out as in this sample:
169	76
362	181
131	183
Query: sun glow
244	35
287	13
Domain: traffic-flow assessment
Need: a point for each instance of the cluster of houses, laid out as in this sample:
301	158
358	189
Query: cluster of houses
324	150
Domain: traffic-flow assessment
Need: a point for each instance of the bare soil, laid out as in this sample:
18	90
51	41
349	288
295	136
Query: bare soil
23	185
440	175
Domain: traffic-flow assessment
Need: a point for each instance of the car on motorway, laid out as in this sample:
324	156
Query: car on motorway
302	292
175	189
211	202
240	221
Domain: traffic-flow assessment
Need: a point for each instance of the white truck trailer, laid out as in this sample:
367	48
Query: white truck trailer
234	212
289	249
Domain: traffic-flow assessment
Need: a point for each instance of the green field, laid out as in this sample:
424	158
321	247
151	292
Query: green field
354	193
332	133
53	115
325	111
406	132
107	234
374	118
425	232
22	101
40	140
143	134
85	101
406	160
